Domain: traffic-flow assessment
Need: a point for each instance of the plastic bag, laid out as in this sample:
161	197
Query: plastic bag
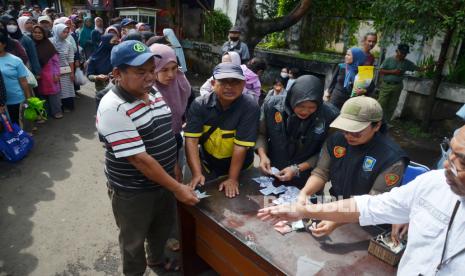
363	78
35	110
15	143
79	77
31	80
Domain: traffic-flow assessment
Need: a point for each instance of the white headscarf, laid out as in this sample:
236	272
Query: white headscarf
56	38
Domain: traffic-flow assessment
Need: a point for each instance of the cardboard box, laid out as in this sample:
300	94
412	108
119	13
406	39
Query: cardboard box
383	252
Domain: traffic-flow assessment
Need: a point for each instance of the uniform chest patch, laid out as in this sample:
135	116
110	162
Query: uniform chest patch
391	179
278	118
369	163
339	151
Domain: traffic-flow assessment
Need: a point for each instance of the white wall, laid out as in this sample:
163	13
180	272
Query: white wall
229	7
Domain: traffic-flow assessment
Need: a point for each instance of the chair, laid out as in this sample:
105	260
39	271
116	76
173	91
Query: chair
413	170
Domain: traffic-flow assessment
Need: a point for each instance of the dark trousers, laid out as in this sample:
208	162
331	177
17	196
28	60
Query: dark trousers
13	111
68	103
142	216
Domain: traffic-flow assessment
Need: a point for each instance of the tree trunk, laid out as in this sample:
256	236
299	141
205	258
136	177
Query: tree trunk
437	78
254	29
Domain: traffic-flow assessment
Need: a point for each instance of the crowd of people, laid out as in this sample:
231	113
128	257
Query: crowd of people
48	48
152	127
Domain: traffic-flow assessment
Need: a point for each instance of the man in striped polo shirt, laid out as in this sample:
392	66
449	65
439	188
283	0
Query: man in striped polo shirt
140	156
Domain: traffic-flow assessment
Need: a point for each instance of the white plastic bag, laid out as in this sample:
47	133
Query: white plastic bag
79	77
31	80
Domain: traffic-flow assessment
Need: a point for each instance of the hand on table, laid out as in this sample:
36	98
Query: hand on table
186	195
230	187
198	179
324	228
265	165
289	212
286	174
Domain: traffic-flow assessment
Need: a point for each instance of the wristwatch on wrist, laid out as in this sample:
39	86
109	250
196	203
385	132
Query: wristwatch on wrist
296	170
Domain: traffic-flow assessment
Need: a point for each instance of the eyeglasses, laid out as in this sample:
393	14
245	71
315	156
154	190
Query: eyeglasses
355	134
445	148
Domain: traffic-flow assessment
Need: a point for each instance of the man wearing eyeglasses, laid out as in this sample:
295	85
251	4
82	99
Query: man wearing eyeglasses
357	159
433	203
225	125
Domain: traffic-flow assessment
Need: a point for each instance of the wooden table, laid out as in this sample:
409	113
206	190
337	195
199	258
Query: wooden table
226	235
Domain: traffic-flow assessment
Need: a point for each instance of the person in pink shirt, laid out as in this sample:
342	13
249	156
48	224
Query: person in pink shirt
252	72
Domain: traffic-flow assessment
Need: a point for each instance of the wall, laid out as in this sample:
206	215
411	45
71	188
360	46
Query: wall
202	57
413	98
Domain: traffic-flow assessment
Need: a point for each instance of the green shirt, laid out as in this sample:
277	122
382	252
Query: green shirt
391	63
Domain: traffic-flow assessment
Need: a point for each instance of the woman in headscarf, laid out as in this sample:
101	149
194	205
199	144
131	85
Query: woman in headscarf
13	46
233	57
99	66
97	32
49	81
85	39
25	24
113	30
66	55
15	33
174	86
292	131
342	83
169	34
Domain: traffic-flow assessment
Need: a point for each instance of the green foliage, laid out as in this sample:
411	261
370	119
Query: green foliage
457	72
412	128
286	6
274	41
411	18
268	8
427	62
217	25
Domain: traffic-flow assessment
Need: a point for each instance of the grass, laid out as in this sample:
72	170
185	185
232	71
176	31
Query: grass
411	128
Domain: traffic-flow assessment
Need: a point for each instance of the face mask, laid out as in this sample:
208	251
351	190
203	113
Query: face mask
234	38
284	75
11	28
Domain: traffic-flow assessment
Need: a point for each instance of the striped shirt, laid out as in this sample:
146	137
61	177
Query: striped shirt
130	126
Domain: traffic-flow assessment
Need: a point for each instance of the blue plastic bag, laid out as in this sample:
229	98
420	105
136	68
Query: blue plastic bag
15	143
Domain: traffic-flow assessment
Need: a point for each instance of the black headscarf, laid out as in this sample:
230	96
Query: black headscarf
5	19
100	59
45	48
305	88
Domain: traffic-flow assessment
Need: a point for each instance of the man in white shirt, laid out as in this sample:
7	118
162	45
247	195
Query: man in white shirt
434	204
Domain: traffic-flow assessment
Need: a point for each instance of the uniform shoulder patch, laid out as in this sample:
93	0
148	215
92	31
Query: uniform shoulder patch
369	163
391	179
339	151
278	118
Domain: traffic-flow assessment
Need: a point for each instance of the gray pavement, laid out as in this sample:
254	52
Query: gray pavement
55	216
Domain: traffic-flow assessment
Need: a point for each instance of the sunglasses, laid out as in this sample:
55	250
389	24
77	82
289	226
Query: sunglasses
445	148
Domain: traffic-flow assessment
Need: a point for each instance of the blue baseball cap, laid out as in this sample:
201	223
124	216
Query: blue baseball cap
130	52
228	70
126	21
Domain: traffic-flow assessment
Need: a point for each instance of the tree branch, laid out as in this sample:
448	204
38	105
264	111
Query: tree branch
278	24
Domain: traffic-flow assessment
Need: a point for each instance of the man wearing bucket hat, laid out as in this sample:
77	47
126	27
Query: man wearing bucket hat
392	71
224	124
135	124
357	159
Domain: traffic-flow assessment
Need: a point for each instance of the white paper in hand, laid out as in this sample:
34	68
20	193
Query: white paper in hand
200	194
274	171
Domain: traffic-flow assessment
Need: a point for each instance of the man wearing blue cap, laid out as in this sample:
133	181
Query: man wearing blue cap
135	124
225	124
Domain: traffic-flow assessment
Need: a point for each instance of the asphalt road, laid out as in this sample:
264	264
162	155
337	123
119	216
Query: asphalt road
55	215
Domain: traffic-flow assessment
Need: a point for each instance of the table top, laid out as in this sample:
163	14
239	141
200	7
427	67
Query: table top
297	253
